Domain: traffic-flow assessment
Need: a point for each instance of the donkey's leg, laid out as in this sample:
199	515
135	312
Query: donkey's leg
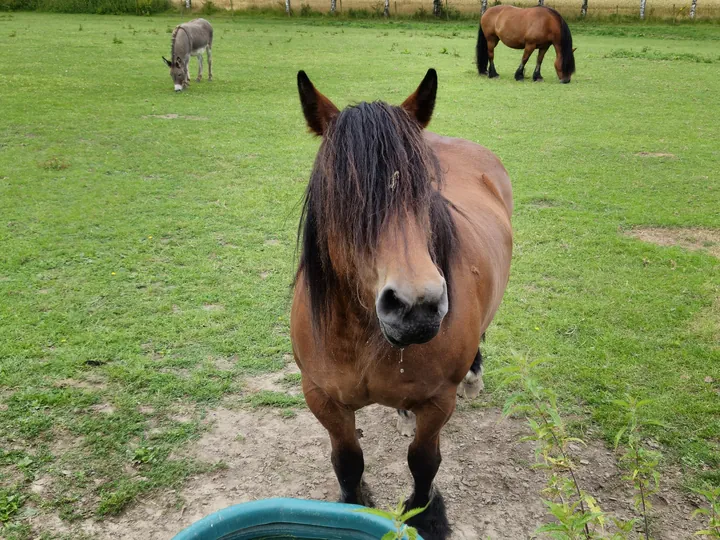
209	55
472	384
347	456
406	423
199	77
540	56
520	73
424	461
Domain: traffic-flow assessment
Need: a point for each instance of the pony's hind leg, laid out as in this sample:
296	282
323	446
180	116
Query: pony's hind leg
472	384
424	461
209	55
199	77
406	423
346	456
520	73
540	56
492	43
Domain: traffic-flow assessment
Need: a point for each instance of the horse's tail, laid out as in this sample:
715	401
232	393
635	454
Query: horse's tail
481	50
566	48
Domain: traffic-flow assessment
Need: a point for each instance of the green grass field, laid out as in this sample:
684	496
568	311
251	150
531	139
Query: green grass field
147	238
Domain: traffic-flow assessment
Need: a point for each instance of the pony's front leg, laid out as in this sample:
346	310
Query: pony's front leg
540	56
199	77
347	456
424	461
520	73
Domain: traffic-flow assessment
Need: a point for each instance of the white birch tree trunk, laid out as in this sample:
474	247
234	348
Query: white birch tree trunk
188	4
333	5
583	9
386	9
541	2
693	7
437	7
483	6
287	7
642	9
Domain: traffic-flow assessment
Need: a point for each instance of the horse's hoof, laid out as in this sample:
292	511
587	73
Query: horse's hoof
210	78
406	424
538	79
471	386
493	76
199	79
483	73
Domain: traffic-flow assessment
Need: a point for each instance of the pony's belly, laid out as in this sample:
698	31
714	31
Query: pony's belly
197	52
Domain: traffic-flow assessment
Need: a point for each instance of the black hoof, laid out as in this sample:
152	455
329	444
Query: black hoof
363	496
483	73
432	524
519	77
538	79
493	76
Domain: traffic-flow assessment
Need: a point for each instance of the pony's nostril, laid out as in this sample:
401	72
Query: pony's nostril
391	304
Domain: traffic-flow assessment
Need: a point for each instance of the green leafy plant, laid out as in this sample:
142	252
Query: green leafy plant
398	516
10	503
577	513
712	527
641	462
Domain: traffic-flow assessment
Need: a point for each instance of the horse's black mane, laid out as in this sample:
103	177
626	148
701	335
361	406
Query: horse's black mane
372	166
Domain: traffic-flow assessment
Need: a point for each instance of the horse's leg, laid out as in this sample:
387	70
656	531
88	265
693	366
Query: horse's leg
347	456
209	55
406	423
492	42
424	461
472	384
540	56
199	77
520	73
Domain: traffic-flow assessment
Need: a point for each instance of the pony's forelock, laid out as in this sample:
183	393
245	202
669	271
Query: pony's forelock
373	166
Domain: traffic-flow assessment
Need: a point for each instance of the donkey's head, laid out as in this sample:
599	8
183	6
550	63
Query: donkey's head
375	227
178	72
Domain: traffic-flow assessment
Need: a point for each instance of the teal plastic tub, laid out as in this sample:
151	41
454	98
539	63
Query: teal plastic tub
275	519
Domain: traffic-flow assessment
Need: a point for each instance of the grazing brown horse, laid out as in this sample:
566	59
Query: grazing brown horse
532	28
405	243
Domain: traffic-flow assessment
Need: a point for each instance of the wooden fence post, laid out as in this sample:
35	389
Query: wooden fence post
693	7
642	9
583	9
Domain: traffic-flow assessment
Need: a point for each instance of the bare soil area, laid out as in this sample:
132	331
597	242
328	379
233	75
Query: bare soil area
490	489
687	238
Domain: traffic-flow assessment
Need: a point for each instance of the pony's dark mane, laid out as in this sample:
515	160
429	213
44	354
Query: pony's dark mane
373	166
566	46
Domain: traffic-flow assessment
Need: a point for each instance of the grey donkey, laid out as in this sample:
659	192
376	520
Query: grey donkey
189	39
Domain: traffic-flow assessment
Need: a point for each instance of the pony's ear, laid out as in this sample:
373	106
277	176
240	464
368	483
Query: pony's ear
421	103
168	62
318	109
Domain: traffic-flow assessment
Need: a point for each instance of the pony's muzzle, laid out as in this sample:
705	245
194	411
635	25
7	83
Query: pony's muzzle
407	319
178	87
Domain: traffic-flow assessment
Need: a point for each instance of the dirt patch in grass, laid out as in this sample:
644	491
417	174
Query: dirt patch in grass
490	489
173	116
274	382
655	154
688	238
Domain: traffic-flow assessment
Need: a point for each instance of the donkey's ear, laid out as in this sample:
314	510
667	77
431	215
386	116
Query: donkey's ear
318	109
168	62
421	103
